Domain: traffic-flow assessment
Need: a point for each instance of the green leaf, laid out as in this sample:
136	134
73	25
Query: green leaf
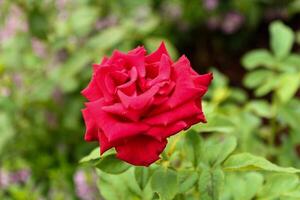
260	107
269	84
218	149
193	142
227	146
282	39
38	23
165	183
210	183
121	186
245	186
287	86
258	58
95	154
215	123
82	19
112	165
112	36
290	113
277	185
6	130
291	63
142	176
187	180
249	162
256	78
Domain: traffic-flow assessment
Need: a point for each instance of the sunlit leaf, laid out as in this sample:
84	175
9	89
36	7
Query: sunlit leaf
112	165
210	183
165	183
258	58
95	154
282	39
249	162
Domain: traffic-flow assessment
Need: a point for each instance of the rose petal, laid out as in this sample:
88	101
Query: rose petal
138	50
203	80
104	143
141	150
130	60
164	71
138	102
103	82
91	133
130	87
119	77
112	127
156	55
119	109
92	92
162	132
152	70
185	88
179	113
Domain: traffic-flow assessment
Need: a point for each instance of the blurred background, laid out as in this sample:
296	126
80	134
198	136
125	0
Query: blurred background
46	51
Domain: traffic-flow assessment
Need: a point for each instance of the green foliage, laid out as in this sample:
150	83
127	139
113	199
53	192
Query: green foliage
230	162
165	183
246	161
210	183
110	164
282	39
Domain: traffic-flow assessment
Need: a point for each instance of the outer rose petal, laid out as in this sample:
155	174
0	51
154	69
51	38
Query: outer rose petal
156	55
91	133
203	80
162	132
185	88
114	129
180	113
138	50
140	150
92	91
103	141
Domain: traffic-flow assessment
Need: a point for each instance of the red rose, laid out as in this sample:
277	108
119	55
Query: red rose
136	101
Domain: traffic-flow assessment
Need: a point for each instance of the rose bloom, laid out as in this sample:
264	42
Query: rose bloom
136	101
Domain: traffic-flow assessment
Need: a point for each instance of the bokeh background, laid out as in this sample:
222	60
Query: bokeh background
46	51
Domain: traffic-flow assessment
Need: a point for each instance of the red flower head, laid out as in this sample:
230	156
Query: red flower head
136	101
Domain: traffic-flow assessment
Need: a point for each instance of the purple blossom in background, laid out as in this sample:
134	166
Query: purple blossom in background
17	79
232	22
210	4
20	176
8	178
4	91
38	47
14	22
4	178
85	189
61	7
105	22
171	11
51	119
57	96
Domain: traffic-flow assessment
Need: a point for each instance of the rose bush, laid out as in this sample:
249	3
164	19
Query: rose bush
136	101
